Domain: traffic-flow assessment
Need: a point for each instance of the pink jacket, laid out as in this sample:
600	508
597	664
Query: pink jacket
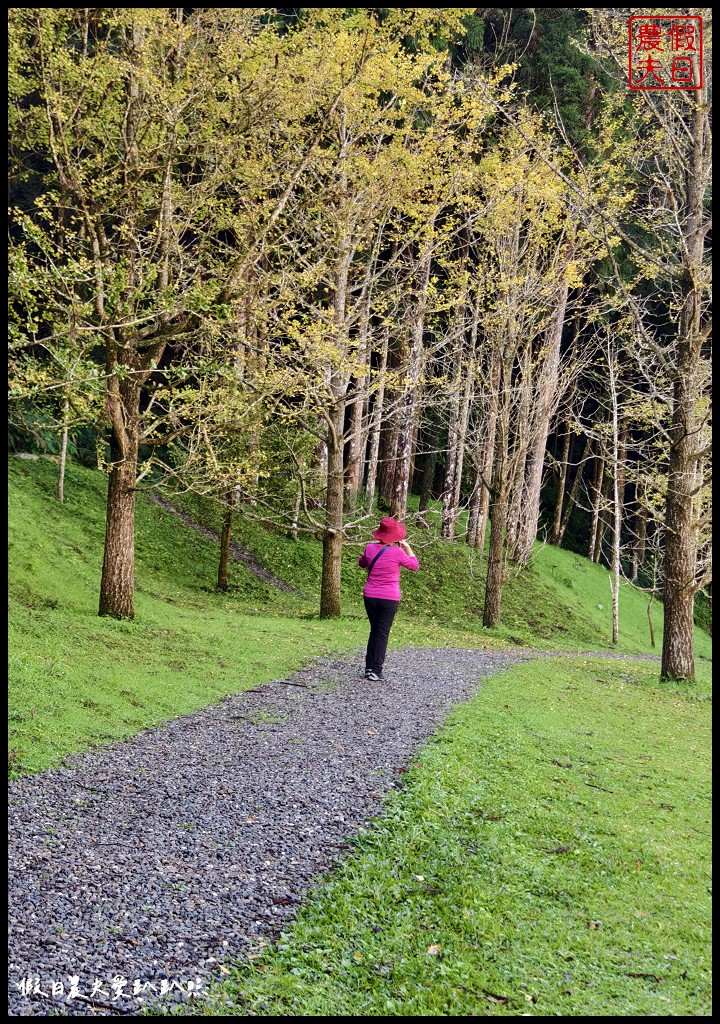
384	579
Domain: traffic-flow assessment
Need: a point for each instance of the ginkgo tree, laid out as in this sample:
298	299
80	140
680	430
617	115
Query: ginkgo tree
130	109
527	254
355	259
667	138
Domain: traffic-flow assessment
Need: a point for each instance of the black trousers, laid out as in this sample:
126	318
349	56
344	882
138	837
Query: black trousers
381	614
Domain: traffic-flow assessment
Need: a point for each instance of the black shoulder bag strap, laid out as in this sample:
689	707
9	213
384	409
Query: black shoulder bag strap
384	548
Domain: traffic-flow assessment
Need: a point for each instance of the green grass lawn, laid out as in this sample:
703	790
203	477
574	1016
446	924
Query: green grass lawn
548	856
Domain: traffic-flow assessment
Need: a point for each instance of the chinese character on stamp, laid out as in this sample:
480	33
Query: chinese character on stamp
665	51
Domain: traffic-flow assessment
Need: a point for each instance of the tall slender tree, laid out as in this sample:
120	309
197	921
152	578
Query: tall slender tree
672	252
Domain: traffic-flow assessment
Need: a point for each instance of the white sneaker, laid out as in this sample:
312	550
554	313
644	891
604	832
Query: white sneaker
372	676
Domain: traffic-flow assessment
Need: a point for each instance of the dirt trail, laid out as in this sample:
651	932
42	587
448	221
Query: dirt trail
237	552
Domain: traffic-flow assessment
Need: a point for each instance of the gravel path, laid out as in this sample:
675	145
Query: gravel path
149	863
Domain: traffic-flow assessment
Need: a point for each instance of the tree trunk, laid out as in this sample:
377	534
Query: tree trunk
529	512
388	446
640	531
405	418
63	449
456	450
293	532
429	463
333	534
619	438
521	384
562	482
460	458
400	477
574	491
488	451
615	570
413	444
620	434
596	503
353	474
602	520
356	430
678	659
376	423
515	493
222	580
447	516
338	381
474	513
678	654
117	587
495	568
498	511
483	515
320	458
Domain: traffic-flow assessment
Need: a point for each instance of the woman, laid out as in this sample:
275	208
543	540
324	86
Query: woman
382	590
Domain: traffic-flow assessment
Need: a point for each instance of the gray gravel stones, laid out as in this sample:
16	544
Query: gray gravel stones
136	870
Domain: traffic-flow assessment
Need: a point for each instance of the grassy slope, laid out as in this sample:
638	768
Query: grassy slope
77	679
561	602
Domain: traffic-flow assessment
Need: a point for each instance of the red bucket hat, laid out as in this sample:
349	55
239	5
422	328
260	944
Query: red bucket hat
389	531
